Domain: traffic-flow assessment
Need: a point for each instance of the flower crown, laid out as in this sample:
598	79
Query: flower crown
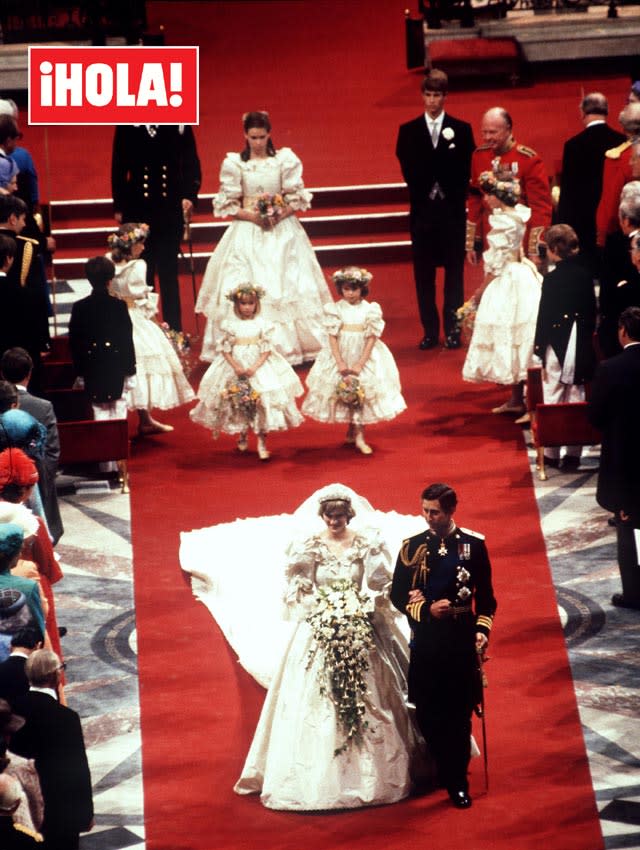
124	241
361	277
245	289
505	189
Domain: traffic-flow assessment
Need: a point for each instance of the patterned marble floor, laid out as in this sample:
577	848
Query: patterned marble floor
95	602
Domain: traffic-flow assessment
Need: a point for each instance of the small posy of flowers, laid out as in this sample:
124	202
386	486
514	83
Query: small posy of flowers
269	206
352	275
181	343
342	631
242	398
466	317
350	393
505	189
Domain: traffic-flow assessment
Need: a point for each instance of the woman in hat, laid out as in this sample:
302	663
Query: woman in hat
14	587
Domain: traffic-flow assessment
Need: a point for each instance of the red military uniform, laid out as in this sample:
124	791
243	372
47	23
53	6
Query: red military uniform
617	171
529	168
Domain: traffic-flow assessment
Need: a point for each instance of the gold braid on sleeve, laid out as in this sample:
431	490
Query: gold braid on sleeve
470	236
535	235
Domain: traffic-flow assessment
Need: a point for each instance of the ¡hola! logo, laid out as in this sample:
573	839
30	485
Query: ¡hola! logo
113	85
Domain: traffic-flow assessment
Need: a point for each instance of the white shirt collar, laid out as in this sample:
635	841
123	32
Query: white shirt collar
48	691
437	121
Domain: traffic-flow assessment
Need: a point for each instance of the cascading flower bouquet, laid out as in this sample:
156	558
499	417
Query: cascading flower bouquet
466	317
240	397
181	343
350	393
342	631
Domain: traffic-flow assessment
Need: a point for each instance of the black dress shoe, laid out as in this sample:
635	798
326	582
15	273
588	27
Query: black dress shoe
460	799
427	342
620	602
452	341
570	463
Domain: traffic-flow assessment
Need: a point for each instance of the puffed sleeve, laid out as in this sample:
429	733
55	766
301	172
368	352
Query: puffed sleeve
229	199
332	320
226	339
377	563
267	334
146	300
293	189
302	557
373	321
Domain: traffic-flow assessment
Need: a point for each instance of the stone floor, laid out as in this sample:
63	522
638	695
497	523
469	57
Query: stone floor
95	602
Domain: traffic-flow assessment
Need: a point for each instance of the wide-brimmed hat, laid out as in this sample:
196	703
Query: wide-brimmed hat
9	722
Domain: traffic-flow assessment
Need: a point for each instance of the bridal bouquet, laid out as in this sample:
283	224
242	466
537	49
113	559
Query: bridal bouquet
466	317
342	631
269	206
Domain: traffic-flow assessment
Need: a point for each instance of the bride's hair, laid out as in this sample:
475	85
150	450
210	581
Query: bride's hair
333	504
260	120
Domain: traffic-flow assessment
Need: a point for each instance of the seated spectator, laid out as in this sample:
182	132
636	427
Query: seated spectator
31	809
13	679
18	475
52	736
20	430
14	587
16	366
8	396
13	836
8	176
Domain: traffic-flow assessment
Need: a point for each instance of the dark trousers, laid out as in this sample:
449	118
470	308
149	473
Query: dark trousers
437	239
161	255
628	561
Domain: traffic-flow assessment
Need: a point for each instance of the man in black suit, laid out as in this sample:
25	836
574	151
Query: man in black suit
16	366
155	178
52	736
582	167
614	408
13	679
434	151
100	337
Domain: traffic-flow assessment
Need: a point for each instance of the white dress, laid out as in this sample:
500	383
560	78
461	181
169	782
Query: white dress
380	380
501	346
281	259
160	380
275	381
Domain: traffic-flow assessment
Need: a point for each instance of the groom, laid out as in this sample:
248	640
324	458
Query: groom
442	583
434	151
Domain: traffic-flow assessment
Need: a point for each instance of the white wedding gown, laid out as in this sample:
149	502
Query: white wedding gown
501	346
291	762
281	259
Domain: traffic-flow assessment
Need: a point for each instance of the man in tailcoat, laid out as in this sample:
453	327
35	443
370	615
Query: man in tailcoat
52	736
582	167
434	151
614	408
101	337
442	583
155	178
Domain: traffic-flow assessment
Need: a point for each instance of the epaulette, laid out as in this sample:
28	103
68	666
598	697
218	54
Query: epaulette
27	258
472	533
30	832
417	556
616	153
28	239
523	149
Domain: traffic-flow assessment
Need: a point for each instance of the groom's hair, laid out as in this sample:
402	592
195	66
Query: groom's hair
442	493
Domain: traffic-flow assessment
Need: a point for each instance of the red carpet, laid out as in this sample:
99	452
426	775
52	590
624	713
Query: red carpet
199	708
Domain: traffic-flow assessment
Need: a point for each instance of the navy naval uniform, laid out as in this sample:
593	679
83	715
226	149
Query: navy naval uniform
444	679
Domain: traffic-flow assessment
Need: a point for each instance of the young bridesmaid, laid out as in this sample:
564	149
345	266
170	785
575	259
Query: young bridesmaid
355	379
160	380
249	385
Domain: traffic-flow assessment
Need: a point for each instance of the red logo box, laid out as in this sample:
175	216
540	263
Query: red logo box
113	85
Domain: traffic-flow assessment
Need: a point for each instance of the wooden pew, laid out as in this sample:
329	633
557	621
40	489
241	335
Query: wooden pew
556	424
95	441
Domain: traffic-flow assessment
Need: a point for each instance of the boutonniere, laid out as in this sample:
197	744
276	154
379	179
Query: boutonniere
448	134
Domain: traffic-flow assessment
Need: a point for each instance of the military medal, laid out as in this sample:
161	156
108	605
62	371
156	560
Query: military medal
464	551
442	549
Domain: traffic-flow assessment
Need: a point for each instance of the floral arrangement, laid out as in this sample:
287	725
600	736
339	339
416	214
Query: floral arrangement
244	289
342	630
124	239
505	189
352	274
350	393
268	206
181	343
466	317
242	398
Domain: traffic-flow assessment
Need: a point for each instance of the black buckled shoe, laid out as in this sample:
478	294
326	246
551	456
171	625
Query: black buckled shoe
452	340
621	602
427	342
460	799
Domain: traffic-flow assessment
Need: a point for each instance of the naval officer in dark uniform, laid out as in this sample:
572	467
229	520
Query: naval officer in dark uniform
155	178
442	583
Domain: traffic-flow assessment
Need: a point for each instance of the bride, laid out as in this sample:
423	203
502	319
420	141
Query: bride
262	190
334	732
